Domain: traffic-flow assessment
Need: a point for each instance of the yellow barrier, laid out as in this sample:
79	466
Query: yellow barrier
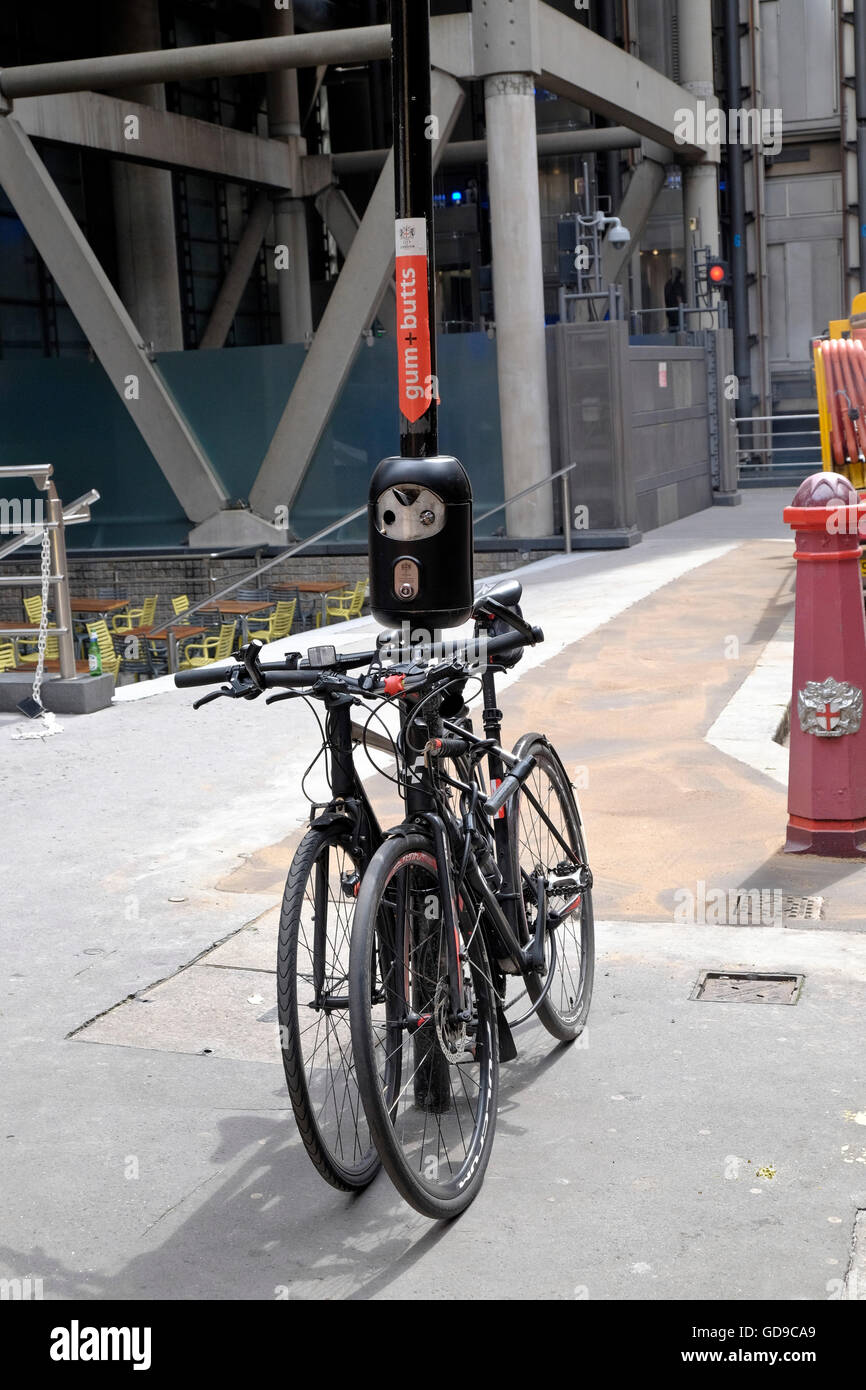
836	452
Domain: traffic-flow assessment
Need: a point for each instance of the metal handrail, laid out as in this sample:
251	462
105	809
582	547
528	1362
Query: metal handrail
42	474
27	470
71	517
533	487
749	419
183	618
760	442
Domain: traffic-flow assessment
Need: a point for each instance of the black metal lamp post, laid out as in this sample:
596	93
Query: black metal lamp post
420	503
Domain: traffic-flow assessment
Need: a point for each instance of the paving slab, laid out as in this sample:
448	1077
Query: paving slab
204	1009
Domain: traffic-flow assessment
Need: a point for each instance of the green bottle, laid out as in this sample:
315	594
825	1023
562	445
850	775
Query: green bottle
94	659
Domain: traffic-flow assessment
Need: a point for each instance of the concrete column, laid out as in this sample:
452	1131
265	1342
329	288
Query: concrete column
700	181
515	218
290	221
144	200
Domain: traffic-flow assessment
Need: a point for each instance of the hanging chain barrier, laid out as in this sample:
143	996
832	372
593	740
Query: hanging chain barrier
43	722
42	639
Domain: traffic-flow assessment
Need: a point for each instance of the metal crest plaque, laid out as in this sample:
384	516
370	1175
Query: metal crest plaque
829	708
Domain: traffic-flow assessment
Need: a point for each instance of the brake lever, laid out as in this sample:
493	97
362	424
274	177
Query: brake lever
514	620
235	690
250	657
206	699
286	695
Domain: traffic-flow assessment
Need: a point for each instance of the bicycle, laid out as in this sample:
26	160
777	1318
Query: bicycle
319	899
454	903
317	907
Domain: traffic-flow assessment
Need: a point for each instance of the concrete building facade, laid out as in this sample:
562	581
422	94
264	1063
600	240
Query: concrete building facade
197	243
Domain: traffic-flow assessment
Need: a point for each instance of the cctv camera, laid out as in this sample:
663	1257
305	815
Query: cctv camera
619	235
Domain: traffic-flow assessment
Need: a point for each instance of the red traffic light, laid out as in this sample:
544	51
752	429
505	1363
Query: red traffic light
717	273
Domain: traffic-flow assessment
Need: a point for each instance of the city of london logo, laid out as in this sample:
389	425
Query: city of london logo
829	708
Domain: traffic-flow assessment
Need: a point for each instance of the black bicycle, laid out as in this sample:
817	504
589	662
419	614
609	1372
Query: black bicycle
318	905
322	887
417	934
480	884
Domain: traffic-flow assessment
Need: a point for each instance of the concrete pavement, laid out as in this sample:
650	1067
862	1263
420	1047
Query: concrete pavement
138	1166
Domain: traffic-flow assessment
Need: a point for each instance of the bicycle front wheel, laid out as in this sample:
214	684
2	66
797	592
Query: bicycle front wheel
313	1009
429	1081
547	843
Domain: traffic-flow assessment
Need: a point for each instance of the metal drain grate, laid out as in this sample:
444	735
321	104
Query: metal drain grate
769	907
746	987
804	909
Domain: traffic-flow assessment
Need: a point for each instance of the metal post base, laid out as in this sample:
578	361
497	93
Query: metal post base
830	839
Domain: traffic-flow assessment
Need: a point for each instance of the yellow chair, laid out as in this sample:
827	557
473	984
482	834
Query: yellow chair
144	616
211	649
31	655
279	621
111	661
348	604
33	608
180	604
7	656
27	650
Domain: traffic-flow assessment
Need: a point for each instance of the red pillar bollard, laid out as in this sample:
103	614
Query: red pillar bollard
827	762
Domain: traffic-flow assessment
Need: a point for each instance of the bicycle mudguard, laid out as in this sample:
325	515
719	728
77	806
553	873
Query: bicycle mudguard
399	832
526	739
331	818
507	1045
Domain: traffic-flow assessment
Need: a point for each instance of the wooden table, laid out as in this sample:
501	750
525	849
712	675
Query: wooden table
170	635
233	608
322	587
81	668
102	606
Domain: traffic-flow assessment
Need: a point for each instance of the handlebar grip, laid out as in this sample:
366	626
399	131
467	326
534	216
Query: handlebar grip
451	747
205	675
504	642
509	785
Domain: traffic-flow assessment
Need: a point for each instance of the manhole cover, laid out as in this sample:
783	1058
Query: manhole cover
763	907
746	987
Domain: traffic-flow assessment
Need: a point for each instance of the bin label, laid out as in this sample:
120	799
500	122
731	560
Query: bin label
413	318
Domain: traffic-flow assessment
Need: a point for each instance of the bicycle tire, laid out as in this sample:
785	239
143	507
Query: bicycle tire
324	1097
564	1009
437	1181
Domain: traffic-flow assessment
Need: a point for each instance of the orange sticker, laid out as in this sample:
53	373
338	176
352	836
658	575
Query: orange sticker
413	318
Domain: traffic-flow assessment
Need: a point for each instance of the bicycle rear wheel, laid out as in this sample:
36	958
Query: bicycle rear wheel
547	841
429	1083
313	1009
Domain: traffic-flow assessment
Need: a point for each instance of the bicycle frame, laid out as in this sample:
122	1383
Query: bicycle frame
499	907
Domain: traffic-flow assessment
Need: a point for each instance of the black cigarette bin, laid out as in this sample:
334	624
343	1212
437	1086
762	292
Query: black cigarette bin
420	530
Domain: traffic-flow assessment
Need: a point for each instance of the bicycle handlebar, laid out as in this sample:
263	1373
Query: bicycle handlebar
276	675
213	675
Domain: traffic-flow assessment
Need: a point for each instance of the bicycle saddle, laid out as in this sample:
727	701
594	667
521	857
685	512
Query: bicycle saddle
507	592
